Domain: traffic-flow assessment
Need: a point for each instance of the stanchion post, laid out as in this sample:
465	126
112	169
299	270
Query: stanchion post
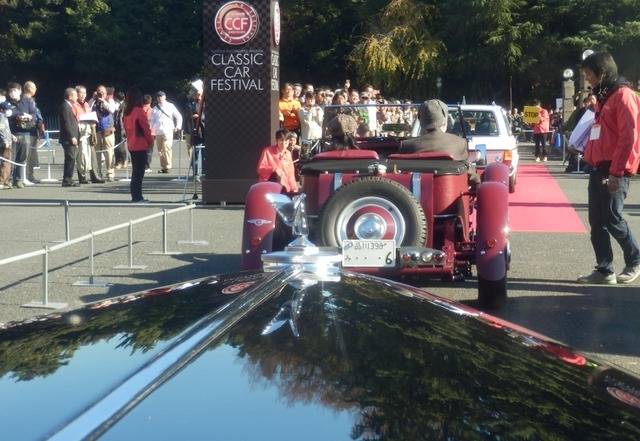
47	143
131	265
191	241
91	281
126	169
67	227
179	178
164	251
45	287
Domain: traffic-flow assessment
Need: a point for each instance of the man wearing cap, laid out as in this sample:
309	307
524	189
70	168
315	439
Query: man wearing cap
433	115
104	107
165	121
342	128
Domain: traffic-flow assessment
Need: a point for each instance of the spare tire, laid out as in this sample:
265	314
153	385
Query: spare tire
372	208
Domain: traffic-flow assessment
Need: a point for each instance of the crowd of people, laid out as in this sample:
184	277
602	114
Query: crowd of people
612	148
93	134
303	108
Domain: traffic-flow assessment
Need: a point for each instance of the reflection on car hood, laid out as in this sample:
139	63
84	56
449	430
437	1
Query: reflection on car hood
355	357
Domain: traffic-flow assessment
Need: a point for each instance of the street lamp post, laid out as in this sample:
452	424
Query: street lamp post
583	91
568	91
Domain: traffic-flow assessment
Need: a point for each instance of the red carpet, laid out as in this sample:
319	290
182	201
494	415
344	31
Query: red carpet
540	205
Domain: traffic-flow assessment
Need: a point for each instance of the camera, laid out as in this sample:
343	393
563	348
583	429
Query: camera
100	94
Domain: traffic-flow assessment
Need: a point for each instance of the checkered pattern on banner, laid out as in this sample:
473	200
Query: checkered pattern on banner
239	123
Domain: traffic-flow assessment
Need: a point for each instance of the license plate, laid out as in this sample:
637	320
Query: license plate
369	253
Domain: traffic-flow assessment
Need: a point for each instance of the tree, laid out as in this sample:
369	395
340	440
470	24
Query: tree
400	53
61	43
400	46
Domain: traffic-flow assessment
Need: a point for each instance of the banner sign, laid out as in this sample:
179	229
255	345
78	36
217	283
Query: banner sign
241	90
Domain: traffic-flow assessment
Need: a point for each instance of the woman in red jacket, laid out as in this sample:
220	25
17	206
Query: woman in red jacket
136	126
613	150
540	131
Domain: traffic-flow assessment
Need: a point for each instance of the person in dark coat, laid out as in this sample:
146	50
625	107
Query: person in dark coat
69	135
433	123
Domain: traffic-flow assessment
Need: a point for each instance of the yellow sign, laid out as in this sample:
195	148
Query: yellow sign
531	115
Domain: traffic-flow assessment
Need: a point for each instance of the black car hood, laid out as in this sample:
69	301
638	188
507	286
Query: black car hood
354	358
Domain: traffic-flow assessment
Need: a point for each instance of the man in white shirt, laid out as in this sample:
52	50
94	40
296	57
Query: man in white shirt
165	120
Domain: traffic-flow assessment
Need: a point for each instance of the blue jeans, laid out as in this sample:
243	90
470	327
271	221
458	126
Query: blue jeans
606	221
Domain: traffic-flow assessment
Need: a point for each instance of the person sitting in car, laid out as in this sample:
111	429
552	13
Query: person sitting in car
342	128
276	164
487	125
433	124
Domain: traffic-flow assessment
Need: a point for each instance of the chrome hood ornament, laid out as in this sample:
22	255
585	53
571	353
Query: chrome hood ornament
300	251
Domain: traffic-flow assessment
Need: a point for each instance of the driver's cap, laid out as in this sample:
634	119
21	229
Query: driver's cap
432	114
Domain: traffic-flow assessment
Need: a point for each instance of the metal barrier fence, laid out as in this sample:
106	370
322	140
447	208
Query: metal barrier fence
44	253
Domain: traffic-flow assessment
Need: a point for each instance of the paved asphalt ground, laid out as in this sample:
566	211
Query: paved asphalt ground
544	297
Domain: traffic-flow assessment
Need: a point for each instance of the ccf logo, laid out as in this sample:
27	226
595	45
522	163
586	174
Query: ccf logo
236	23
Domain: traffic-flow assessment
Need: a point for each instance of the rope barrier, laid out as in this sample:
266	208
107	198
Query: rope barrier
14	163
90	237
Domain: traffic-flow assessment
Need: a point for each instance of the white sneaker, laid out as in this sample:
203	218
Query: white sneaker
28	182
629	274
537	159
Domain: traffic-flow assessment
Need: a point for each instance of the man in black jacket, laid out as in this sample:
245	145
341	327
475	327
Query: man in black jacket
69	135
22	121
433	115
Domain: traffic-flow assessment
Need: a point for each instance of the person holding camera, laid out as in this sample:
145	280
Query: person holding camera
310	115
105	130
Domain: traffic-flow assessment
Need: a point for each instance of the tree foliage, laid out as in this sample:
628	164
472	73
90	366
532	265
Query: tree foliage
400	49
61	43
481	49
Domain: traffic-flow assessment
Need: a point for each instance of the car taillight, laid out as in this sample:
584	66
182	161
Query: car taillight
508	157
256	240
492	242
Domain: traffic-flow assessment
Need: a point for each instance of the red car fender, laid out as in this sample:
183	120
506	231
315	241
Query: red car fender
492	241
259	222
497	172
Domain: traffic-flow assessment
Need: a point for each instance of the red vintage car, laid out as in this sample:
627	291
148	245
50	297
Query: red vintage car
407	216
